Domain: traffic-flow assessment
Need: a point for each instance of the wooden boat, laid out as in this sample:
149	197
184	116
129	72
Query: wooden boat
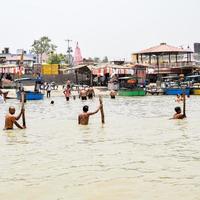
173	86
176	91
194	81
29	95
128	86
132	92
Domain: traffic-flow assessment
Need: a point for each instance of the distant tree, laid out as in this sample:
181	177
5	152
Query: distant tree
55	58
43	45
97	60
105	59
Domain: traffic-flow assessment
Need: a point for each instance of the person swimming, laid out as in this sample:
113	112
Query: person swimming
52	102
83	118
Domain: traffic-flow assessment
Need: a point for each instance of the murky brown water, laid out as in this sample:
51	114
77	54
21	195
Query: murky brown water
138	154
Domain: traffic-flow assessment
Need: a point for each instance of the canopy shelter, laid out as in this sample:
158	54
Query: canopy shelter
110	69
164	56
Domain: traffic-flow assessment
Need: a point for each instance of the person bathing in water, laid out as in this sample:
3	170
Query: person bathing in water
67	92
112	94
83	118
179	98
178	114
10	119
83	94
90	93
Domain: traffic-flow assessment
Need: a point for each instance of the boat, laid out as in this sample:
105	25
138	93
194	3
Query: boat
172	85
194	81
29	95
128	86
176	91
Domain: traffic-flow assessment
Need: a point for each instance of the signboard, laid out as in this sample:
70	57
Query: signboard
50	69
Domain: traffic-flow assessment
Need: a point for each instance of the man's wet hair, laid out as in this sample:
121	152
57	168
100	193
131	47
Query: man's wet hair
177	109
85	108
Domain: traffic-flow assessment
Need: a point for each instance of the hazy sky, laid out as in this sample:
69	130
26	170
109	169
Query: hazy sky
115	28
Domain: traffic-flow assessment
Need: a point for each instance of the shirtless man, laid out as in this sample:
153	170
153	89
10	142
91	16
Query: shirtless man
4	95
67	92
83	118
83	94
90	93
112	94
179	98
178	114
10	119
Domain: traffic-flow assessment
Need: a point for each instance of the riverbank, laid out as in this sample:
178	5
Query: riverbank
103	91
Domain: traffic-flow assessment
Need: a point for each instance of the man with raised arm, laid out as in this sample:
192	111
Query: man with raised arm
83	118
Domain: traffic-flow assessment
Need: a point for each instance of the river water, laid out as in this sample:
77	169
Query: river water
138	154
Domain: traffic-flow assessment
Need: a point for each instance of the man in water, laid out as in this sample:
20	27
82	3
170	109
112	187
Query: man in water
83	94
179	98
10	119
4	95
83	118
178	114
90	93
112	94
67	92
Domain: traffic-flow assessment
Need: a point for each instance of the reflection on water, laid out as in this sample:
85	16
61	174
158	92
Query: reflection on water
138	154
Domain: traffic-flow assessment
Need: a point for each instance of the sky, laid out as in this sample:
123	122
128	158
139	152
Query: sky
113	28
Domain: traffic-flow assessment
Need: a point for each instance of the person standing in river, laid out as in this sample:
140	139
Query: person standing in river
83	94
90	93
178	114
10	119
83	119
112	94
67	92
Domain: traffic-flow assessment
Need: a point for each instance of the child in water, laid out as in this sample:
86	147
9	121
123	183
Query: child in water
83	118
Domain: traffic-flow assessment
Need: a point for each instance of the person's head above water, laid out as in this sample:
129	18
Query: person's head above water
52	102
178	110
12	110
85	108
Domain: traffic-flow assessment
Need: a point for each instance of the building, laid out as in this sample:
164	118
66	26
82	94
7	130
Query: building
14	58
164	59
197	48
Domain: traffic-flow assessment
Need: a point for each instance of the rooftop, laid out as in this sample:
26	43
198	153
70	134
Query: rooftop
164	48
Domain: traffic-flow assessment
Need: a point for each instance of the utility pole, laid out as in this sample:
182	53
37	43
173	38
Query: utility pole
69	51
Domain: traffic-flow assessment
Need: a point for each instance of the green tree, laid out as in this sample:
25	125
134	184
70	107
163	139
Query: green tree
55	58
97	60
43	45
